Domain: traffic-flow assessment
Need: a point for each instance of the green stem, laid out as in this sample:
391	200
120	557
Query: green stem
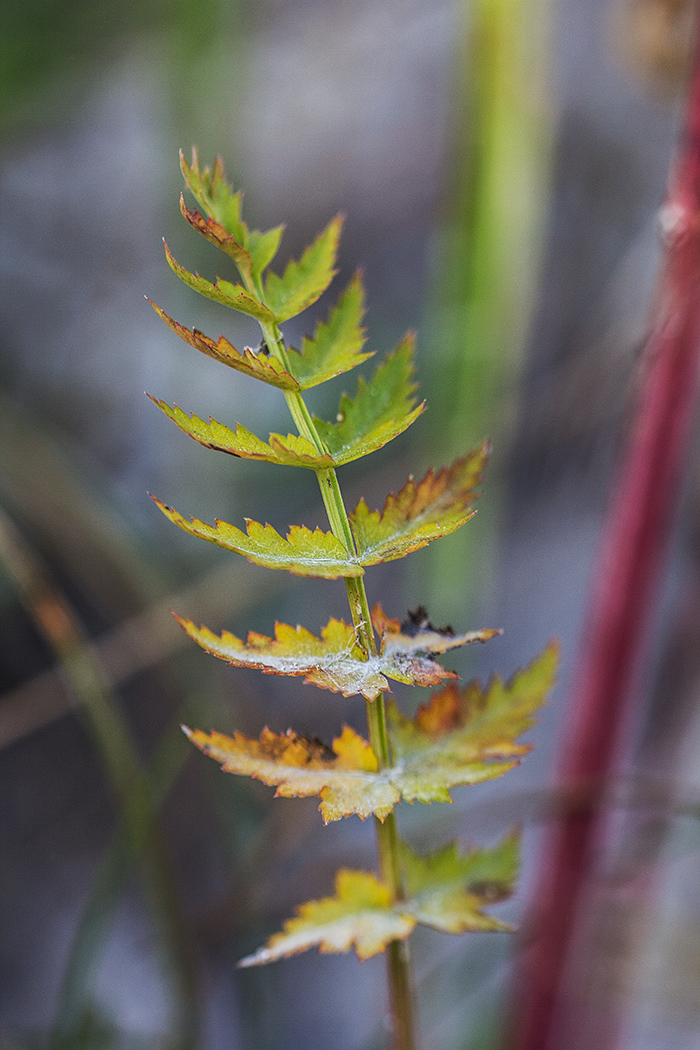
398	957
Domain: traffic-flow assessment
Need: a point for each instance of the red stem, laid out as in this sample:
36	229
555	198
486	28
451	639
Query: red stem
625	587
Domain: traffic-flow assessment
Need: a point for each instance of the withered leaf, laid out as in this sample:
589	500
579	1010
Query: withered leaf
334	661
443	893
417	634
461	737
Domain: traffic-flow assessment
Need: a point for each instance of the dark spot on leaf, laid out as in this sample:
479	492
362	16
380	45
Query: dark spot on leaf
262	349
323	751
489	891
417	621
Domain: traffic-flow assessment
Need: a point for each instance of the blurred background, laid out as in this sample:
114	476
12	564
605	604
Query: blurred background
501	165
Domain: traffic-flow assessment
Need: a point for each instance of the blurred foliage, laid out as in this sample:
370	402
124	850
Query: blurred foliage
63	511
139	834
487	253
49	49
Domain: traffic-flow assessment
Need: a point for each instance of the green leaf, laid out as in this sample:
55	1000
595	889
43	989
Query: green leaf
447	891
381	409
336	343
419	513
303	282
303	552
263	247
490	873
233	295
409	521
468	732
255	365
291	451
219	202
214	195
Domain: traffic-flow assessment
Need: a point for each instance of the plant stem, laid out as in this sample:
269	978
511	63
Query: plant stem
398	957
625	587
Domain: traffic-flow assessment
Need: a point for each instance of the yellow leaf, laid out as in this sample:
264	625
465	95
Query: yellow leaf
334	661
447	891
344	777
461	737
359	916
